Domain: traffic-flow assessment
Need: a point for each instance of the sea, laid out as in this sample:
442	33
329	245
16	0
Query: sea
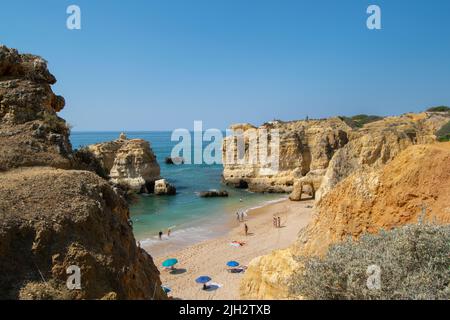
192	219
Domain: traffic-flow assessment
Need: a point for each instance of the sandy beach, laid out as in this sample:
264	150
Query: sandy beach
210	257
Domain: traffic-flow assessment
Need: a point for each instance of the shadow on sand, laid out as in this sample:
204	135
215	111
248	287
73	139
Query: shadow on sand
178	271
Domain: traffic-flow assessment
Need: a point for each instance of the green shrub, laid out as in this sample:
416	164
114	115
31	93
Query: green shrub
414	261
54	123
360	120
443	134
439	109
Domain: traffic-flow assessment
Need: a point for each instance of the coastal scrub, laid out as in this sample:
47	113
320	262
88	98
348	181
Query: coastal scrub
413	263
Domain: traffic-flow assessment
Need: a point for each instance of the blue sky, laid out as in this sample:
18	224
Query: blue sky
160	65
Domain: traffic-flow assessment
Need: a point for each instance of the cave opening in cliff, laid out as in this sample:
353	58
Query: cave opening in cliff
242	184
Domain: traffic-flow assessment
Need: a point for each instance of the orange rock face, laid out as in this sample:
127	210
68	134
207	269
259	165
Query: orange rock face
415	183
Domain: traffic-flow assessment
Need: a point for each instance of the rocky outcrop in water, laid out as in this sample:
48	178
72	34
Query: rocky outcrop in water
129	162
162	187
174	160
213	194
31	133
51	216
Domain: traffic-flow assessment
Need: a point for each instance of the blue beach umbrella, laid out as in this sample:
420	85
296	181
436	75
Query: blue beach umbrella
203	279
232	264
169	262
166	289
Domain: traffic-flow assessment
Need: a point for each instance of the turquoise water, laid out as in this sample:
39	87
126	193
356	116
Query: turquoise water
192	218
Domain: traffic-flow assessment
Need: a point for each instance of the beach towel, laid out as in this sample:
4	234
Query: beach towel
237	243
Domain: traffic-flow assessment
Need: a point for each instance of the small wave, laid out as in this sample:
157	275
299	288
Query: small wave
265	203
180	237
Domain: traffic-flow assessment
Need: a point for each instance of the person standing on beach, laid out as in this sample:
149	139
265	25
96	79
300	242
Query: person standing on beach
274	221
279	222
160	235
242	216
168	232
246	229
237	216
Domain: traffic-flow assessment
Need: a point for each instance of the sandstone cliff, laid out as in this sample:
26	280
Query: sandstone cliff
52	216
30	131
129	162
416	181
377	143
52	219
315	155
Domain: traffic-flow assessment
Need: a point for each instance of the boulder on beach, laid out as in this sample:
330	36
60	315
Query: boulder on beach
213	193
162	187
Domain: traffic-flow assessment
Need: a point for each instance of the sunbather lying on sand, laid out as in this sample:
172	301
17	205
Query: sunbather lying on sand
237	269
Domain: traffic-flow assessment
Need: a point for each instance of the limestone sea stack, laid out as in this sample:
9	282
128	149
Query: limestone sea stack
52	216
162	187
128	162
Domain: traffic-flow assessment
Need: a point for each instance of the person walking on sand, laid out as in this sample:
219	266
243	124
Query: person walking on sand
274	221
246	229
238	218
160	235
279	222
242	216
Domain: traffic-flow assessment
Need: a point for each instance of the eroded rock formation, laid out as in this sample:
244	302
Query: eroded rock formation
377	143
129	162
213	194
388	172
31	133
162	187
304	146
52	219
415	184
52	216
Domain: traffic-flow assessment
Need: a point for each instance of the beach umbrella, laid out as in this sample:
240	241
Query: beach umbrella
203	279
170	262
166	289
232	264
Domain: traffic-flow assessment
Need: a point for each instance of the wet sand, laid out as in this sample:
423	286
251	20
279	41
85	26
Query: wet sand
210	257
